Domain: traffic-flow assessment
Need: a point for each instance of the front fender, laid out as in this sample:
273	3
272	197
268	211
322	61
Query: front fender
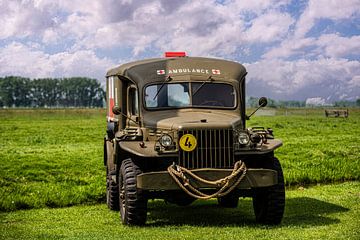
267	147
143	149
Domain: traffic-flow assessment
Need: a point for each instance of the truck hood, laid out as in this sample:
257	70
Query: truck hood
191	119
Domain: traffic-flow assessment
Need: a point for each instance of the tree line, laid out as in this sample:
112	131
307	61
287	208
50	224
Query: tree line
253	102
51	92
86	92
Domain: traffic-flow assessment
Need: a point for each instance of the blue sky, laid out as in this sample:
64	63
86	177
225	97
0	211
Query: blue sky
292	49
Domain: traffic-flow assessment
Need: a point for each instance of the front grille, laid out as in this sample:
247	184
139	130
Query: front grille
214	149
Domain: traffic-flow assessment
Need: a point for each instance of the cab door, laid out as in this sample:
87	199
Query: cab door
133	113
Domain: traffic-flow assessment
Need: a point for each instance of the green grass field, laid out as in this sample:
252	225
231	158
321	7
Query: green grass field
316	148
53	158
319	212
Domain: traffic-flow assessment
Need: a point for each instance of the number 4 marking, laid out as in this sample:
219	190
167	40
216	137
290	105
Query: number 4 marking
188	143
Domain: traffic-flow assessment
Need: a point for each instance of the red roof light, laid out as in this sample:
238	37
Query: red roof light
175	54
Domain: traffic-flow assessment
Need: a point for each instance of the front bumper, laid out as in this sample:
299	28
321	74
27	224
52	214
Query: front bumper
254	178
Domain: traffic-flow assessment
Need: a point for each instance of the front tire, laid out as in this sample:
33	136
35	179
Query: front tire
112	187
269	202
112	193
133	203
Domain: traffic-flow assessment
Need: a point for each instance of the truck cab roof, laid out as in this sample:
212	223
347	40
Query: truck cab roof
157	69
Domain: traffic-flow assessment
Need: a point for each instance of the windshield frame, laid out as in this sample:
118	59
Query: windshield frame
235	90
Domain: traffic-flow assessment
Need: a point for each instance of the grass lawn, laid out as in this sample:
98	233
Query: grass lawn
318	212
51	158
316	149
54	158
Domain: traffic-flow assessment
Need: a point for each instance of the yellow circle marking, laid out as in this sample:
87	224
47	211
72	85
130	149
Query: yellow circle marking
188	142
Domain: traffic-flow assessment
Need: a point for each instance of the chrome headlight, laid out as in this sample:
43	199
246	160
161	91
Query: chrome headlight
243	138
166	140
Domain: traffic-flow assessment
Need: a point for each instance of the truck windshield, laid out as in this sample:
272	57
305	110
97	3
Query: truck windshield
179	95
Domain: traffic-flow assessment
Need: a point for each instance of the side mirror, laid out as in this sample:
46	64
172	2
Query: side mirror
116	110
263	102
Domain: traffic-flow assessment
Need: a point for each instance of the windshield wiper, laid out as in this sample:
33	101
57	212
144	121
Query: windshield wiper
210	79
168	79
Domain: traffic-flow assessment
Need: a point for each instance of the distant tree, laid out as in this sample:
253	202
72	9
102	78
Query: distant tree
49	92
358	102
345	103
15	91
271	103
2	93
252	102
45	92
80	91
291	104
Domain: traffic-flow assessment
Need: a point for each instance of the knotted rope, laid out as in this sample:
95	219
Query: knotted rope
223	184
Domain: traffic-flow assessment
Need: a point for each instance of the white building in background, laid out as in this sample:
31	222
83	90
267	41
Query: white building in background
314	102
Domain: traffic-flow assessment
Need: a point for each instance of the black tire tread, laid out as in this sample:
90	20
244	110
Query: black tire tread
135	201
112	192
112	187
269	203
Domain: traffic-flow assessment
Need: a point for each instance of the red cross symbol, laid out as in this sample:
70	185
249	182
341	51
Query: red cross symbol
215	71
160	72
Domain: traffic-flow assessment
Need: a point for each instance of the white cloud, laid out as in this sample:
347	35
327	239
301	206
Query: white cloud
151	25
257	7
23	19
140	24
299	45
294	64
326	45
337	46
330	9
290	47
269	27
78	26
204	28
18	59
213	28
301	79
50	36
355	83
80	63
23	60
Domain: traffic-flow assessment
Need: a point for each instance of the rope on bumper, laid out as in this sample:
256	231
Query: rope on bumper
223	185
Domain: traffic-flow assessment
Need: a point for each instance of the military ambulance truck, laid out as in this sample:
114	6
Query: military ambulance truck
176	130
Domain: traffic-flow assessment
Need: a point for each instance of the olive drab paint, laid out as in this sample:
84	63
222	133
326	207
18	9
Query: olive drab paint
165	115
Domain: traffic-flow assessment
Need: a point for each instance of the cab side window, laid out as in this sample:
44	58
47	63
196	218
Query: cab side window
133	106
